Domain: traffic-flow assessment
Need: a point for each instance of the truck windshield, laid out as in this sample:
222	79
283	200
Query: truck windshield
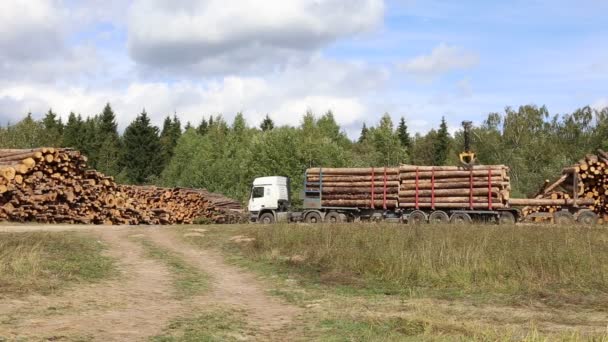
257	192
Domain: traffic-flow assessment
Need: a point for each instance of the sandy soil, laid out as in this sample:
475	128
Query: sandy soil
140	303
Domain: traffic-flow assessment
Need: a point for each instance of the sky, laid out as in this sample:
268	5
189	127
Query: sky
420	60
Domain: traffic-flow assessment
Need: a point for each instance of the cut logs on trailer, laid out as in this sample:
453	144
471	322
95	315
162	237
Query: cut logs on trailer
50	185
586	182
353	187
453	187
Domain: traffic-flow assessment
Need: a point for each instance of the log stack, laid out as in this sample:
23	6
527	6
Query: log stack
454	187
375	188
50	185
587	180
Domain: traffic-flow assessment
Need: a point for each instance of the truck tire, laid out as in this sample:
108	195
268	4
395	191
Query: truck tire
313	217
506	218
439	217
563	217
460	218
266	218
587	218
417	217
333	217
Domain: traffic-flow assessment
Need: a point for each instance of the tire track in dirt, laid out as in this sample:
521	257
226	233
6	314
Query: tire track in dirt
232	287
134	307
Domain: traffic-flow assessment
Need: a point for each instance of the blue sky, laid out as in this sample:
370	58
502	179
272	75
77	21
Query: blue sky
418	59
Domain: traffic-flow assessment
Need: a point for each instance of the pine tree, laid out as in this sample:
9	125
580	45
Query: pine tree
52	129
404	135
107	122
267	124
73	132
203	127
169	135
142	158
363	134
442	144
105	146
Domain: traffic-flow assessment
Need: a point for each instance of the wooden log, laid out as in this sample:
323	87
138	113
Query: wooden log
354	190
353	171
448	174
549	202
455	185
330	178
476	199
413	168
357	203
448	192
360	184
495	179
441	205
359	197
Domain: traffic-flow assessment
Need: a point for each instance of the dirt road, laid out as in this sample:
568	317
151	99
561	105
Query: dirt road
139	303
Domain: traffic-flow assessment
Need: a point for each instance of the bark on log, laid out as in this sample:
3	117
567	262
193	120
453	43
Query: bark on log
353	171
357	203
425	185
452	205
448	192
413	168
476	199
449	174
549	202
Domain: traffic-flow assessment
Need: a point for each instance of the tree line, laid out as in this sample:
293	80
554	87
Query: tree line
225	157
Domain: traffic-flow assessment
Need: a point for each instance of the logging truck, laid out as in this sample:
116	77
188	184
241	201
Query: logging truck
410	194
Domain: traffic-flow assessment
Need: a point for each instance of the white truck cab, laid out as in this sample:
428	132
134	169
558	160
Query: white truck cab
269	195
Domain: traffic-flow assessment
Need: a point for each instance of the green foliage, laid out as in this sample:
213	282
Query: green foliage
172	130
363	134
404	135
52	134
267	124
73	135
141	157
441	144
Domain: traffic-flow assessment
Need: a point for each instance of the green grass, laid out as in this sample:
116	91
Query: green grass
42	262
521	261
211	326
187	280
379	282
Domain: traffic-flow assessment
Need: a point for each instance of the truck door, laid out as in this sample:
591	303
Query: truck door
256	202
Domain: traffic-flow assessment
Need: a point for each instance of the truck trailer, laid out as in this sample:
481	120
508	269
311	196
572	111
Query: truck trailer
406	194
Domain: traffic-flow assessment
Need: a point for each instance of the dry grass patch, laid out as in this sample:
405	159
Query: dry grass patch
44	262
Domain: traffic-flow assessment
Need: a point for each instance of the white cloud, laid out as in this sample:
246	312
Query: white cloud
286	96
443	59
225	35
29	29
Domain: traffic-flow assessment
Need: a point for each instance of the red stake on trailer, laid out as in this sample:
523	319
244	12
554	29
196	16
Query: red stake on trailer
433	188
384	201
373	178
471	189
417	178
490	189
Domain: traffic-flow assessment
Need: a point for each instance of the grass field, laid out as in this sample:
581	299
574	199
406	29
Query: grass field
393	282
40	262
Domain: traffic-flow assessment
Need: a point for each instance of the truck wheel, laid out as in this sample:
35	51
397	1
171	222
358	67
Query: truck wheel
266	218
313	217
333	217
460	218
563	217
587	218
417	218
506	218
439	217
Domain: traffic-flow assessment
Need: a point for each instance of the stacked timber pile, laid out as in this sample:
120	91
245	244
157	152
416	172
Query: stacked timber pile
355	187
454	187
181	205
49	185
585	184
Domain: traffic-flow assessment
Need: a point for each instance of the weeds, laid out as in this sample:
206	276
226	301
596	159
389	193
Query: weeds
44	262
188	280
